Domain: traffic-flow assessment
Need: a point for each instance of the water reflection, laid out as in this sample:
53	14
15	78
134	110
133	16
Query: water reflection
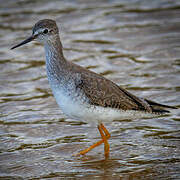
133	43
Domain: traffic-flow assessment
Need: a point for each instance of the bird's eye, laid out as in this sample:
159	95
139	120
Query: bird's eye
45	31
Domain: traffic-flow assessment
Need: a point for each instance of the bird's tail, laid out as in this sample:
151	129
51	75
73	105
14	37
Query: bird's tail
159	108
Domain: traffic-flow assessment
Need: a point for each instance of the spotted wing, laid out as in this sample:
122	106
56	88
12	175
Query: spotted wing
105	93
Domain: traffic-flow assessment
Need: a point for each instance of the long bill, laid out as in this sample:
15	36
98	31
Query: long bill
31	38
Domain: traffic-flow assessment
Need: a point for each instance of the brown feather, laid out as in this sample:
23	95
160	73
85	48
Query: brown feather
105	93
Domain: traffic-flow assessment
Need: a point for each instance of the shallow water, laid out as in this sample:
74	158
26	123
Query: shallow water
135	44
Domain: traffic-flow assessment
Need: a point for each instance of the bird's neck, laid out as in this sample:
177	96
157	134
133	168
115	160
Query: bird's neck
54	52
56	64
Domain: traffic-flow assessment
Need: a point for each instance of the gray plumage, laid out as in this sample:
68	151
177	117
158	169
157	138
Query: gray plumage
81	84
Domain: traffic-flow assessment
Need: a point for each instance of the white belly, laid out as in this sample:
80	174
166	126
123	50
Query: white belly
77	110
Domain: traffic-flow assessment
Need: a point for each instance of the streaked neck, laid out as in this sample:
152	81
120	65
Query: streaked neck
54	52
56	64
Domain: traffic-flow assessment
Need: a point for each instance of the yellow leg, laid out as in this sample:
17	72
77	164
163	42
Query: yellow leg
104	139
106	144
108	135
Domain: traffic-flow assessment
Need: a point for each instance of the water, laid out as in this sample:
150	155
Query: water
135	44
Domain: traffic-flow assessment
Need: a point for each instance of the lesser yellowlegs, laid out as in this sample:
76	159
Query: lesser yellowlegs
83	94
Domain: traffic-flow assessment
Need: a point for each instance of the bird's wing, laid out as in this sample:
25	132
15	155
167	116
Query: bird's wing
103	92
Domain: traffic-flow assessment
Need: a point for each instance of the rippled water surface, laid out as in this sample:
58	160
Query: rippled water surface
134	43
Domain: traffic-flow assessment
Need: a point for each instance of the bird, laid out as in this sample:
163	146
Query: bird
85	95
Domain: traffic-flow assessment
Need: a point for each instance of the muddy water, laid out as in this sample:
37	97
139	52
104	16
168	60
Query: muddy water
135	44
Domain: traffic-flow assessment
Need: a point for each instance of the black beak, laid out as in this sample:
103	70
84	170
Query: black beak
31	38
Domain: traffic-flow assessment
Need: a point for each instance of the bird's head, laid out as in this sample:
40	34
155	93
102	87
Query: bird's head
44	31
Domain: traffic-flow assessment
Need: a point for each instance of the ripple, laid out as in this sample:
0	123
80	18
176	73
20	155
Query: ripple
135	44
93	41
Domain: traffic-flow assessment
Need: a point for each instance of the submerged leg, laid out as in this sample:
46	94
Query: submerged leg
105	136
